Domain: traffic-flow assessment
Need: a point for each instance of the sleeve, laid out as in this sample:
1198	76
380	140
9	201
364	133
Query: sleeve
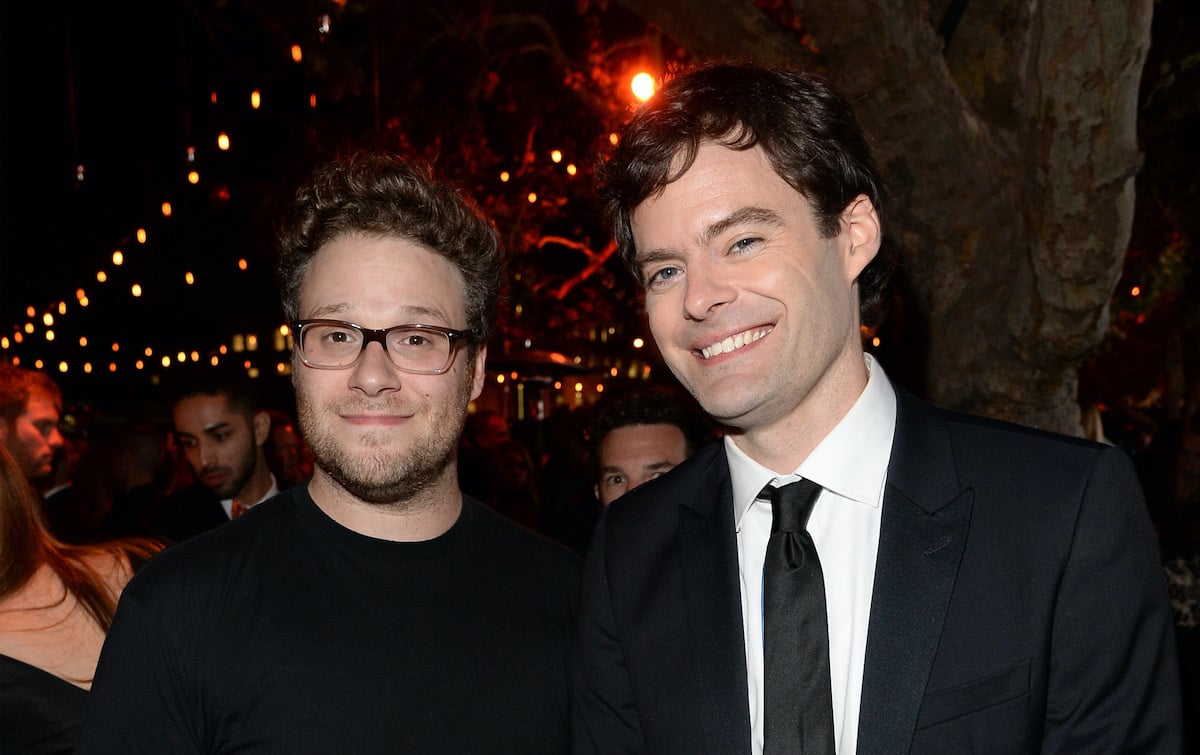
604	717
140	700
1114	684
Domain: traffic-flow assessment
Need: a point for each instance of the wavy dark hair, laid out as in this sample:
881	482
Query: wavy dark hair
809	134
26	544
384	195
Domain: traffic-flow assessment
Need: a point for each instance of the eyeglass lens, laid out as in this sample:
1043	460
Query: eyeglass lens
339	345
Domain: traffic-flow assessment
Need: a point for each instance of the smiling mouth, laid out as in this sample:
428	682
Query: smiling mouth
735	342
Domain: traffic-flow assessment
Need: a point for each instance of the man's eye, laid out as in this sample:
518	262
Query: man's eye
662	275
745	245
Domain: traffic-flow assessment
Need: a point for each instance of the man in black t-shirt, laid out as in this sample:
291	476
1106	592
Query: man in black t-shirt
377	608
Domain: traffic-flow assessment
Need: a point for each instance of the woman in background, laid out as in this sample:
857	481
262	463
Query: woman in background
56	604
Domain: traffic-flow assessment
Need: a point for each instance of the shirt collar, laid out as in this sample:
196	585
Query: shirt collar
850	461
271	493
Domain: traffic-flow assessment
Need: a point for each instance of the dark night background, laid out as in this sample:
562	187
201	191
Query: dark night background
125	89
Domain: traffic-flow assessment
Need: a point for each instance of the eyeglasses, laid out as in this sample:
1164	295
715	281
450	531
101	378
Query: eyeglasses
337	345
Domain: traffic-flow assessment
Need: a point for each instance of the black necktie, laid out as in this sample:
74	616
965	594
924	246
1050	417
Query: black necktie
797	697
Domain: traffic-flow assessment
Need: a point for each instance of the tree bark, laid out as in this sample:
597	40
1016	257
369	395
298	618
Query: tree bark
1010	154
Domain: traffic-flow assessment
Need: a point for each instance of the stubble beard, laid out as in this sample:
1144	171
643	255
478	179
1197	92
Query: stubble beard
241	475
377	475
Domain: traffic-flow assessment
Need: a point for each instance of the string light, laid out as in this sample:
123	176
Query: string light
223	142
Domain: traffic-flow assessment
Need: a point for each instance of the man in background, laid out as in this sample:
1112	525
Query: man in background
641	433
221	428
30	406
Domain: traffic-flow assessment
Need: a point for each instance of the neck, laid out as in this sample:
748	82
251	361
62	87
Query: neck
783	446
260	482
424	516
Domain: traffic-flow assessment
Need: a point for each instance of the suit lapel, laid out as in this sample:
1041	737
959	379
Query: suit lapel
712	603
926	517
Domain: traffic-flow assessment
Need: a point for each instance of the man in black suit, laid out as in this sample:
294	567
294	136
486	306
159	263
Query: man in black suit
988	587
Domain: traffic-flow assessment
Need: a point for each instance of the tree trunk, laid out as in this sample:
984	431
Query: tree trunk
1010	153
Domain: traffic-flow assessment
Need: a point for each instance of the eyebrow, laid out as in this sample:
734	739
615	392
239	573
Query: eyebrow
740	216
217	427
411	311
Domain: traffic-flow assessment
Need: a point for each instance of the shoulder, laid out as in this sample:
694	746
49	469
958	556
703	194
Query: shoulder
970	434
223	553
935	448
501	533
697	483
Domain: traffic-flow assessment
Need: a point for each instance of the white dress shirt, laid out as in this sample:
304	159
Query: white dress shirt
227	503
851	465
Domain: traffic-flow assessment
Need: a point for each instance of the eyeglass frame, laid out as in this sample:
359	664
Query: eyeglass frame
373	335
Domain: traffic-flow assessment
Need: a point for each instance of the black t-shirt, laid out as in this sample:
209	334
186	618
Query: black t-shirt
283	631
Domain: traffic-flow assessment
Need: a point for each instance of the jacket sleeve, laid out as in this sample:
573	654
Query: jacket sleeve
1114	684
604	718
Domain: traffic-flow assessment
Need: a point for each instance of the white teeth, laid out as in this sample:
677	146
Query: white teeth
733	343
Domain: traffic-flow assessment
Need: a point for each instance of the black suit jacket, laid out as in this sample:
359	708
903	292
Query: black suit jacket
1019	605
189	512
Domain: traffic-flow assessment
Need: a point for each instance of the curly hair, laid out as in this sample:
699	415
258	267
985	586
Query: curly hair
383	195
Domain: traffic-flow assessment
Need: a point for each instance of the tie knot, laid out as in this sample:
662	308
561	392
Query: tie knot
791	504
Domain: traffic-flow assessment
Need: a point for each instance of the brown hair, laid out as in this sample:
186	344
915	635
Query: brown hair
809	134
18	384
378	194
26	544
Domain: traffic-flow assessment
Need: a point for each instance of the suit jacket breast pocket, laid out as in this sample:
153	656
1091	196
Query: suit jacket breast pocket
948	704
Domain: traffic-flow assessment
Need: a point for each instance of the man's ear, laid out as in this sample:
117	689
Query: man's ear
860	228
480	372
262	427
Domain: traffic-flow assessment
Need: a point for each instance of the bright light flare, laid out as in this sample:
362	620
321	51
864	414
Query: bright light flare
642	86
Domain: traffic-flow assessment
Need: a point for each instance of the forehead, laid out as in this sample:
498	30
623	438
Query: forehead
643	444
194	413
40	406
719	182
382	281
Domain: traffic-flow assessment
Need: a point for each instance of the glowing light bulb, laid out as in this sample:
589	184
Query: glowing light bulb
642	86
